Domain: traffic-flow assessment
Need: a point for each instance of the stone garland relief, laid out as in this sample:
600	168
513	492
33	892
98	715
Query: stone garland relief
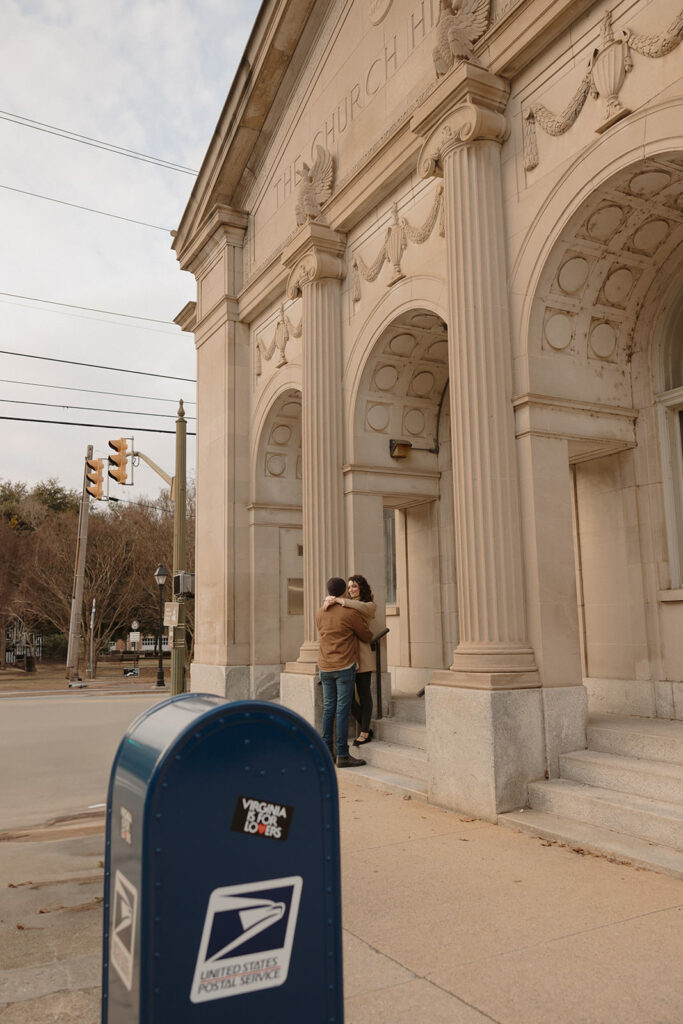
607	69
424	18
398	235
284	330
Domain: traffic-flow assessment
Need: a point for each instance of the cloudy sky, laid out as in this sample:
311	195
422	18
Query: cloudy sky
149	76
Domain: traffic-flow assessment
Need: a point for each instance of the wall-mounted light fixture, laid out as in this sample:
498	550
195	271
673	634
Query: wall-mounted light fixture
401	449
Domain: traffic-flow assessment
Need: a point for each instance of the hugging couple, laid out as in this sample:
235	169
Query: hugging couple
345	623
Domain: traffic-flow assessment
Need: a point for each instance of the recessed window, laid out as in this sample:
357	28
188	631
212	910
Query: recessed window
390	554
670	403
295	597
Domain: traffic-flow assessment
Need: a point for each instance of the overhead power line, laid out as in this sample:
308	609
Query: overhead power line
141	504
88	209
91	391
89	408
88	309
97	426
93	319
87	140
96	366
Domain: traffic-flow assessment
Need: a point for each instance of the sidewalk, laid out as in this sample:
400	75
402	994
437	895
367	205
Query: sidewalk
447	920
50	678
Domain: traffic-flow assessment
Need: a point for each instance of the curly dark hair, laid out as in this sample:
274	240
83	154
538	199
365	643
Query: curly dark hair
364	588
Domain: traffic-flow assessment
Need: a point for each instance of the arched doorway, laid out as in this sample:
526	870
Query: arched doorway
600	347
277	552
399	494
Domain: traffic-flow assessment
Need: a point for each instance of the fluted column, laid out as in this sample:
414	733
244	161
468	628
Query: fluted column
464	128
315	261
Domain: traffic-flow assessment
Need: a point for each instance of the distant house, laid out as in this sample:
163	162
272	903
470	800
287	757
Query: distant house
146	643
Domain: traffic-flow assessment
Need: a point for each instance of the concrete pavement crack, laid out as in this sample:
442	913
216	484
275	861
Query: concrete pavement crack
570	935
421	977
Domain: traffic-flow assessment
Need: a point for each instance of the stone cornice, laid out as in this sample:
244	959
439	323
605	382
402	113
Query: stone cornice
187	317
222	226
575	405
315	252
279	26
467	107
591	429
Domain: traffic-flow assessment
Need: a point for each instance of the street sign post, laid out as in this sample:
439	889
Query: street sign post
171	613
222	881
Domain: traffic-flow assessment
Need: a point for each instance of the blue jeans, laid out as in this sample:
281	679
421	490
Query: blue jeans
337	697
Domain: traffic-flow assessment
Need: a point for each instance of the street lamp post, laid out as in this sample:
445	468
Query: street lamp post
161	576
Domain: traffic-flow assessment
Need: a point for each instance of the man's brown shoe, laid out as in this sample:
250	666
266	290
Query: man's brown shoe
349	762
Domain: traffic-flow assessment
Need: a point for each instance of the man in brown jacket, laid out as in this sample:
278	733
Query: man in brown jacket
339	629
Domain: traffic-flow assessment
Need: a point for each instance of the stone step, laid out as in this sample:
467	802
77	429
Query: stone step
395	730
657	780
654	739
394	758
579	835
386	781
653	820
408	709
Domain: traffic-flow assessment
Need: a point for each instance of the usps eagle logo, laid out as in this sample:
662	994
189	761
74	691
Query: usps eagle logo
246	942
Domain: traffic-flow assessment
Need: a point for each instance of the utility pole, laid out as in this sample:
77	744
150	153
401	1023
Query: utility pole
179	503
91	662
79	578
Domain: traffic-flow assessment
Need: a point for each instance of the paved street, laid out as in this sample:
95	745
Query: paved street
447	919
56	752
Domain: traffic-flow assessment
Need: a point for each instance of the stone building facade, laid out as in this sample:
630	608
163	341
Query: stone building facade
479	258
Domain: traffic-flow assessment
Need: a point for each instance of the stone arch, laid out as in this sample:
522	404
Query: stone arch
424	291
589	351
599	273
601	163
276	470
270	400
400	392
276	538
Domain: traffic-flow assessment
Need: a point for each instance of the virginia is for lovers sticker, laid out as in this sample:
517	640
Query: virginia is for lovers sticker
246	942
262	818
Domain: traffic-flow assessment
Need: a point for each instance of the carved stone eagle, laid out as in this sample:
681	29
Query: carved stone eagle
461	23
315	186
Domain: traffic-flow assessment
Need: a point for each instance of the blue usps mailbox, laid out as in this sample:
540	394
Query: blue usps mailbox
222	890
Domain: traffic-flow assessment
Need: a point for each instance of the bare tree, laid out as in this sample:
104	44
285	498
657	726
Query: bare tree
126	543
10	578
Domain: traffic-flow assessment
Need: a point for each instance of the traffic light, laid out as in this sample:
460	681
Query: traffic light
119	461
95	476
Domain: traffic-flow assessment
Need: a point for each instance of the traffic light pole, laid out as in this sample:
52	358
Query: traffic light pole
179	507
79	578
178	485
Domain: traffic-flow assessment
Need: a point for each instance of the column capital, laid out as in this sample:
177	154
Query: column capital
315	252
467	107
